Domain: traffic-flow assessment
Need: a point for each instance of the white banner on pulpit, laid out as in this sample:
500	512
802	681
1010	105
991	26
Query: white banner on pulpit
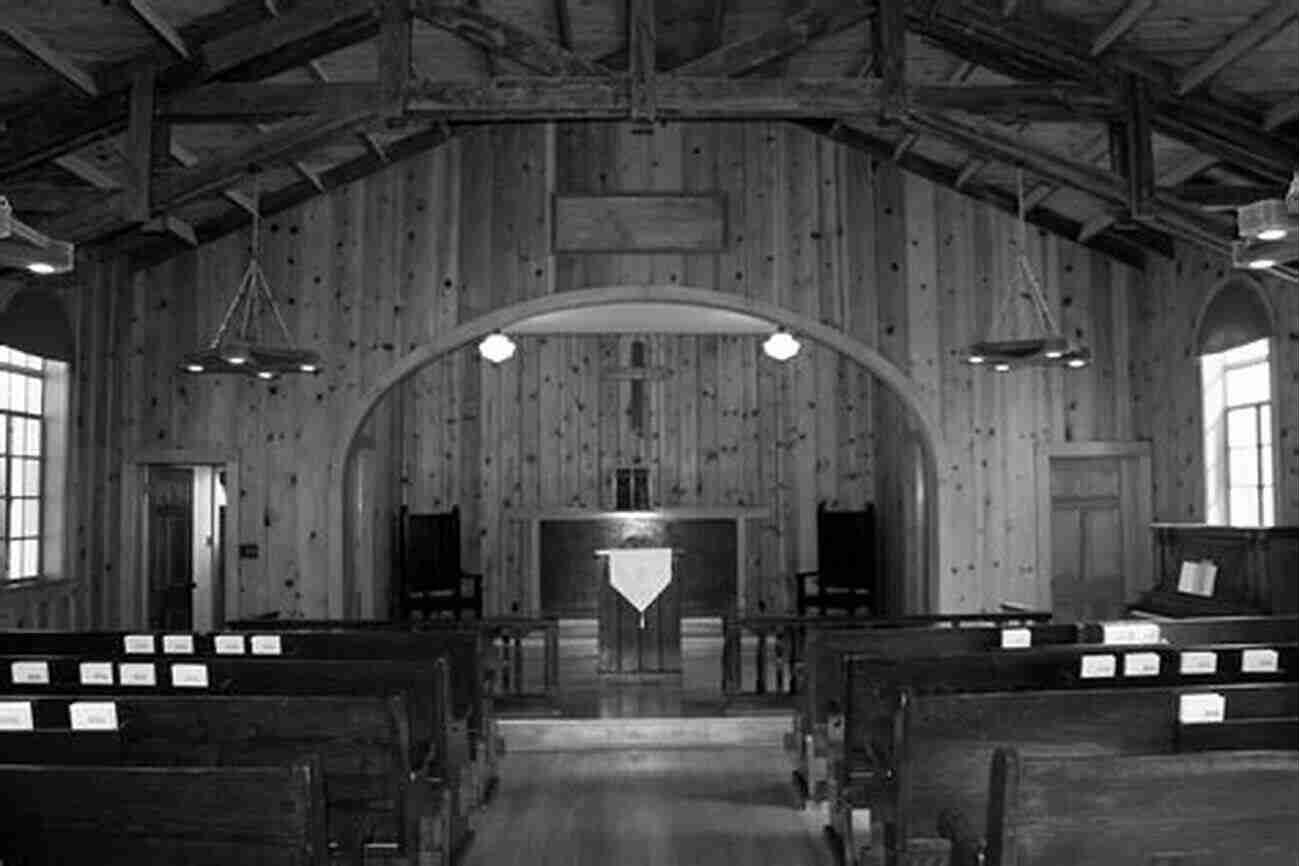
640	574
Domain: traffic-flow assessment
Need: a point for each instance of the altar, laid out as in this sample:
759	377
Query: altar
573	551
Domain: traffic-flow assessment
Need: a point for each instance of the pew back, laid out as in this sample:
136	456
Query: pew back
1223	808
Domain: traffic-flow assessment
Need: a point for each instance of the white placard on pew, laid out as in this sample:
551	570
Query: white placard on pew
96	673
1198	662
1259	661
1093	667
1141	664
229	644
93	715
190	676
1204	709
178	644
30	673
1131	633
265	644
138	644
1017	638
136	674
16	716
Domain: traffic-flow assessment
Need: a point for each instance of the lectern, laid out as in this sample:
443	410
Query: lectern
640	624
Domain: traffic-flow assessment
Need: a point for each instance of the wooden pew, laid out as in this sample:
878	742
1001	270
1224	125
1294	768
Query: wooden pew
125	816
425	683
1222	808
940	744
376	800
862	743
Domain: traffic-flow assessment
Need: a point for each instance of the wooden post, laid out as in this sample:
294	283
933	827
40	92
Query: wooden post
641	59
890	36
137	202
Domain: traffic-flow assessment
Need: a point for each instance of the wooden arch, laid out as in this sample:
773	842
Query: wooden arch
340	589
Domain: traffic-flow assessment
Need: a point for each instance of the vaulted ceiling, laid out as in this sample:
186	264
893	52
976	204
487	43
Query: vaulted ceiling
137	123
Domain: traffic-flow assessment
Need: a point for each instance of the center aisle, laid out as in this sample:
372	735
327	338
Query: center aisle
647	807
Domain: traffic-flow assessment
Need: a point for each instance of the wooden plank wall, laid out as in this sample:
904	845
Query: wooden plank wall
1166	382
374	269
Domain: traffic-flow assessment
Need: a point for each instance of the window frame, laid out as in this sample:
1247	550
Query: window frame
1218	448
43	492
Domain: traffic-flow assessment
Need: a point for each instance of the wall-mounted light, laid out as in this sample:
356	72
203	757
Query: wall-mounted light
781	346
22	246
497	348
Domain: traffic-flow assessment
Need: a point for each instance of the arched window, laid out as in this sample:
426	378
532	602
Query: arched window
36	349
1234	336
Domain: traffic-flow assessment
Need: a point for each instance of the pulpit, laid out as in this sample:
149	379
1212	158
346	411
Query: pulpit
640	622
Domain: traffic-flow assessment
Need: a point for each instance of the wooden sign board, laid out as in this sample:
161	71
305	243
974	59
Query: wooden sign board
640	224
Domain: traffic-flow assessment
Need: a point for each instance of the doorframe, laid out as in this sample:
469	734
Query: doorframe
1135	451
134	600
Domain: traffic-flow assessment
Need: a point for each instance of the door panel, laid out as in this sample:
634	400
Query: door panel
1090	541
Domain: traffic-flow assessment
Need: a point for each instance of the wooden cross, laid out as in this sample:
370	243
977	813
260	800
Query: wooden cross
636	374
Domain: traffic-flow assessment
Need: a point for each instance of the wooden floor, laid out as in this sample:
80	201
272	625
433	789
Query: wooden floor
647	807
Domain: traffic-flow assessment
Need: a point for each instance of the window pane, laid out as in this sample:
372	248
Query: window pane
1243	506
1266	423
27	437
1247	384
27	478
34	396
8	381
1268	506
15	561
1241	428
1266	464
31	516
15	518
31	558
1243	466
4	476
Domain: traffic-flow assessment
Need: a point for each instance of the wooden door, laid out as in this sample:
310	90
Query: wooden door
1098	551
171	548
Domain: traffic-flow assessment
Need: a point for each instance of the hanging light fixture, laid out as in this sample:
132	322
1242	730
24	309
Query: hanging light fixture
781	346
1045	347
1268	230
497	348
22	246
240	344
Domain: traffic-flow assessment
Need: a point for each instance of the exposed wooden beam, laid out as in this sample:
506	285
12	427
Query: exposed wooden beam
563	26
181	154
39	133
140	154
1187	169
792	35
208	178
147	15
394	52
1224	195
1094	227
641	40
278	201
554	98
373	145
504	39
1120	25
87	171
1117	246
1005	147
254	102
240	199
969	170
1053	52
890	38
1262	27
308	174
1139	154
1279	114
174	226
50	57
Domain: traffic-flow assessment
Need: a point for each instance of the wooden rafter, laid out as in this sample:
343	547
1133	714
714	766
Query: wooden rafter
395	52
641	41
563	25
141	142
1118	246
144	254
87	171
1052	52
210	178
53	59
256	102
890	37
40	133
505	39
795	33
150	18
1120	25
1261	28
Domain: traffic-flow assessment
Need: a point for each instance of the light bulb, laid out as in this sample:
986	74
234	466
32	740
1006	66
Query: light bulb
193	367
308	368
781	346
265	374
975	359
1053	354
1261	264
1002	368
1076	363
1271	234
497	348
42	268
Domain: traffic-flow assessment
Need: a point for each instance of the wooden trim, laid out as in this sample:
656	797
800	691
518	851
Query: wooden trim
928	430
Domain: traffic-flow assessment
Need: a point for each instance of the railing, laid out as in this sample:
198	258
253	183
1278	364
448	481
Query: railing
39	604
524	653
763	655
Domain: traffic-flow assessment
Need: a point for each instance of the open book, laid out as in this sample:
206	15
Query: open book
1197	578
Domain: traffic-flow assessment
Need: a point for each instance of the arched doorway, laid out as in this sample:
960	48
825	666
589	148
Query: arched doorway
928	432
